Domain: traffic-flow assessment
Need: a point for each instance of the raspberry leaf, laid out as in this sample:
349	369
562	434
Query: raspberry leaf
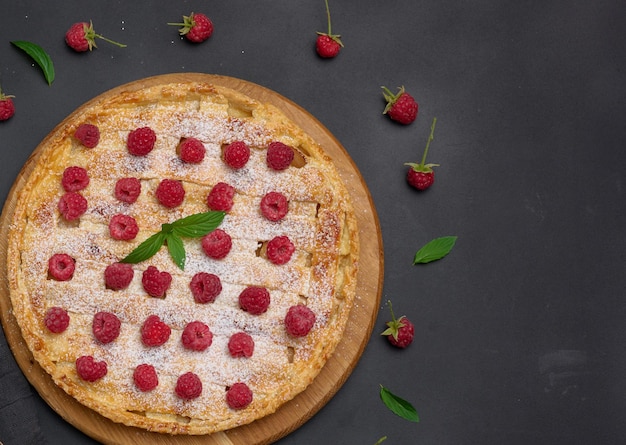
197	225
40	57
435	250
177	249
398	405
146	249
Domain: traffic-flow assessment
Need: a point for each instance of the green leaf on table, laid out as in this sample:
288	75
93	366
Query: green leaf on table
398	405
40	56
435	250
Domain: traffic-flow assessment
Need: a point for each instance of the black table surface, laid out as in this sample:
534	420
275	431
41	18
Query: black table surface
519	332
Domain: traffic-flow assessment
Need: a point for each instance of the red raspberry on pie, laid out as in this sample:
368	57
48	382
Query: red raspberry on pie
56	320
88	135
106	326
205	287
145	377
279	156
188	386
280	249
216	244
89	369
197	336
191	151
127	189
241	344
118	276
156	282
236	154
221	197
299	320
170	193
123	227
61	267
154	332
239	396
74	179
141	141
72	206
274	206
254	299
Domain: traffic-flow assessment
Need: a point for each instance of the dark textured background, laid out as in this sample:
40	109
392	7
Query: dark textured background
520	334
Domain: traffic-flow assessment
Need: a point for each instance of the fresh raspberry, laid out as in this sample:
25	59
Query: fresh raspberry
197	336
196	27
82	37
61	267
205	287
254	299
274	206
72	206
88	135
299	320
156	282
238	396
279	156
127	189
191	151
188	386
7	107
141	141
328	44
145	377
74	179
280	249
399	331
241	344
421	176
216	244
236	154
89	369
154	332
56	320
170	193
221	197
401	107
106	326
118	276
123	227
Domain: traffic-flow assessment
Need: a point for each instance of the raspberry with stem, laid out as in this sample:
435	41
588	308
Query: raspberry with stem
422	176
328	44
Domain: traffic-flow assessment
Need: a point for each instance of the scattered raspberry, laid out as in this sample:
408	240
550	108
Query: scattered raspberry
56	320
82	37
145	377
254	299
238	396
197	336
191	150
401	107
141	141
221	197
205	287
74	179
88	135
170	193
236	154
154	332
399	332
196	27
274	206
72	206
89	369
118	276
155	282
7	107
241	344
279	156
421	176
188	386
280	249
328	44
127	189
61	267
106	326
123	227
216	244
299	320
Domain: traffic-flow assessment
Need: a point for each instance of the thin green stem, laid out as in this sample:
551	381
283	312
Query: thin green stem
328	15
430	138
121	45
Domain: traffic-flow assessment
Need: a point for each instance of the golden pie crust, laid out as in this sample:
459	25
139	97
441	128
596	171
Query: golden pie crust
321	273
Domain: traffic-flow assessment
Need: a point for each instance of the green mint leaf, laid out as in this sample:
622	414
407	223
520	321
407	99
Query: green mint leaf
146	249
38	54
381	440
435	250
197	225
177	249
398	405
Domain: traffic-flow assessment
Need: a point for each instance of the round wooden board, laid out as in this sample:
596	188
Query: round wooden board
294	413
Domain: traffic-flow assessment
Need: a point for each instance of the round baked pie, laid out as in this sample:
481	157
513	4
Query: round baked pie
182	258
